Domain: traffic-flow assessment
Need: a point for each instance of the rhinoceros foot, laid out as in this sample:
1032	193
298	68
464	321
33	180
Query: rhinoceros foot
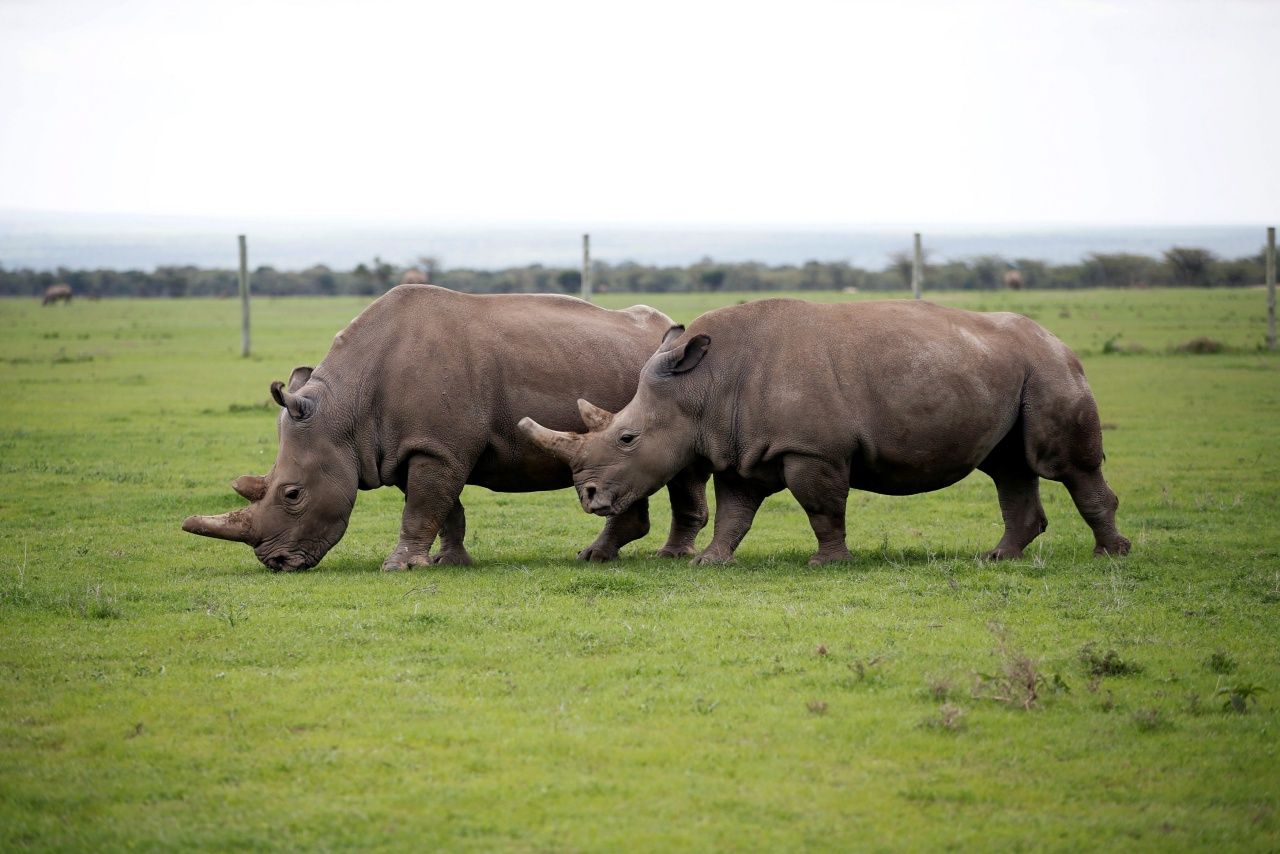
1118	546
597	552
676	551
401	559
711	557
452	557
830	556
1003	553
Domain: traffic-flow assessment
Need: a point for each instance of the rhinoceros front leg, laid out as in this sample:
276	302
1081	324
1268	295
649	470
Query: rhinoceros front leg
688	492
1097	504
632	524
431	490
453	532
822	488
1018	488
737	500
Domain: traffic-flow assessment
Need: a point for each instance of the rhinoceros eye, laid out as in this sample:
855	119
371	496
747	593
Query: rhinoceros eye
292	493
627	438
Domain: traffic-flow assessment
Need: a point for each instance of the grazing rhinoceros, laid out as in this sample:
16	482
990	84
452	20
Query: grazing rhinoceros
896	397
55	293
422	391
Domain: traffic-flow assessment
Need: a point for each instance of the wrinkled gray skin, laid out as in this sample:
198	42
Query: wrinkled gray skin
422	391
896	397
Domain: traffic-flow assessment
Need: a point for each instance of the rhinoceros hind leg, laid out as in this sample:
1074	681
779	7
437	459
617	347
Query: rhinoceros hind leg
688	493
632	524
431	489
453	551
823	491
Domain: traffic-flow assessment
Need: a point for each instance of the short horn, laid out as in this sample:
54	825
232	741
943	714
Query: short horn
250	487
594	417
561	445
232	526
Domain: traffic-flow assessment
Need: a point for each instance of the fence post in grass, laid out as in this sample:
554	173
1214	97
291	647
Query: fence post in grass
244	299
586	267
917	269
1271	287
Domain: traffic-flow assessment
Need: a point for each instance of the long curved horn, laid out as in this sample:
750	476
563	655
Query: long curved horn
561	445
232	526
594	417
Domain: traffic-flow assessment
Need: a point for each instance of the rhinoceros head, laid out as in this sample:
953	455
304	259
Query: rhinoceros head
632	454
299	510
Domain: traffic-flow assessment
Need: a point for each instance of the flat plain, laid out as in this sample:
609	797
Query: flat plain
159	690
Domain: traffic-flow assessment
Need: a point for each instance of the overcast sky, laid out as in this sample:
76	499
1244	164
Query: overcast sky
790	113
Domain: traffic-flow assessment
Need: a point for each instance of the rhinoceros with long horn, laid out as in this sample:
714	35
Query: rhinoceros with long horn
896	397
422	391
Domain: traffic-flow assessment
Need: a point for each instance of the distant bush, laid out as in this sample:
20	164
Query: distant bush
1180	266
1201	345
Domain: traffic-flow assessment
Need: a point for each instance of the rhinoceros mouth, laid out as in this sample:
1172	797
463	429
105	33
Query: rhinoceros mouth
287	562
615	507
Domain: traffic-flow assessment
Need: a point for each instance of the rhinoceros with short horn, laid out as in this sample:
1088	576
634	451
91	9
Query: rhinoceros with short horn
422	391
895	397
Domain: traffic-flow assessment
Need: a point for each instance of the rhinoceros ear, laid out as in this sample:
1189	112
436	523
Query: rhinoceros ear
299	377
683	357
670	338
594	417
559	445
299	407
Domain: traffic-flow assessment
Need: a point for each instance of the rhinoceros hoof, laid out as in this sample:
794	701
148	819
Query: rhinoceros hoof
820	558
677	551
1118	546
598	553
710	558
452	558
399	561
1003	553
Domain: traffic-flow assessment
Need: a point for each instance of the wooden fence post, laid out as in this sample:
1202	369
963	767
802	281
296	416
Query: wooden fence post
244	299
586	267
1271	287
917	269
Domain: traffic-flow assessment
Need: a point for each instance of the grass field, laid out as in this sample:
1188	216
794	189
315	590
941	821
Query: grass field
159	690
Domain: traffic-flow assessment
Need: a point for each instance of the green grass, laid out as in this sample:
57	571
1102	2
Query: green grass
159	690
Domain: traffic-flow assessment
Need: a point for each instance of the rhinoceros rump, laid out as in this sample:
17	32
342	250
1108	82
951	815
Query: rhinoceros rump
895	397
422	391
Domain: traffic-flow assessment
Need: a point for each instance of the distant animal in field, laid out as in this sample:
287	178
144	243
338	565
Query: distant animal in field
55	293
896	397
1013	279
422	391
413	276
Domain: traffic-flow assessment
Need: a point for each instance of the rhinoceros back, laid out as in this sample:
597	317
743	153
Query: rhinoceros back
428	370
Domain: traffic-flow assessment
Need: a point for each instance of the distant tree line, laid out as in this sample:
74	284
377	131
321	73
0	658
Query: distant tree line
1180	266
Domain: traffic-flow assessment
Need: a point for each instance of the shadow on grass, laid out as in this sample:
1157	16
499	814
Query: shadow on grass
1065	557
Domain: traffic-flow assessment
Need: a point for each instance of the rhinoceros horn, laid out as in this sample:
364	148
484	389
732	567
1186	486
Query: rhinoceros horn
250	486
560	445
593	416
232	526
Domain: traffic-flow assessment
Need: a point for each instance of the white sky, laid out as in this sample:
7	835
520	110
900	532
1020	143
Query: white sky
790	113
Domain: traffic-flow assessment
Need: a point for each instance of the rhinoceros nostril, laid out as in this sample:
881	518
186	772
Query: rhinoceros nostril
589	492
